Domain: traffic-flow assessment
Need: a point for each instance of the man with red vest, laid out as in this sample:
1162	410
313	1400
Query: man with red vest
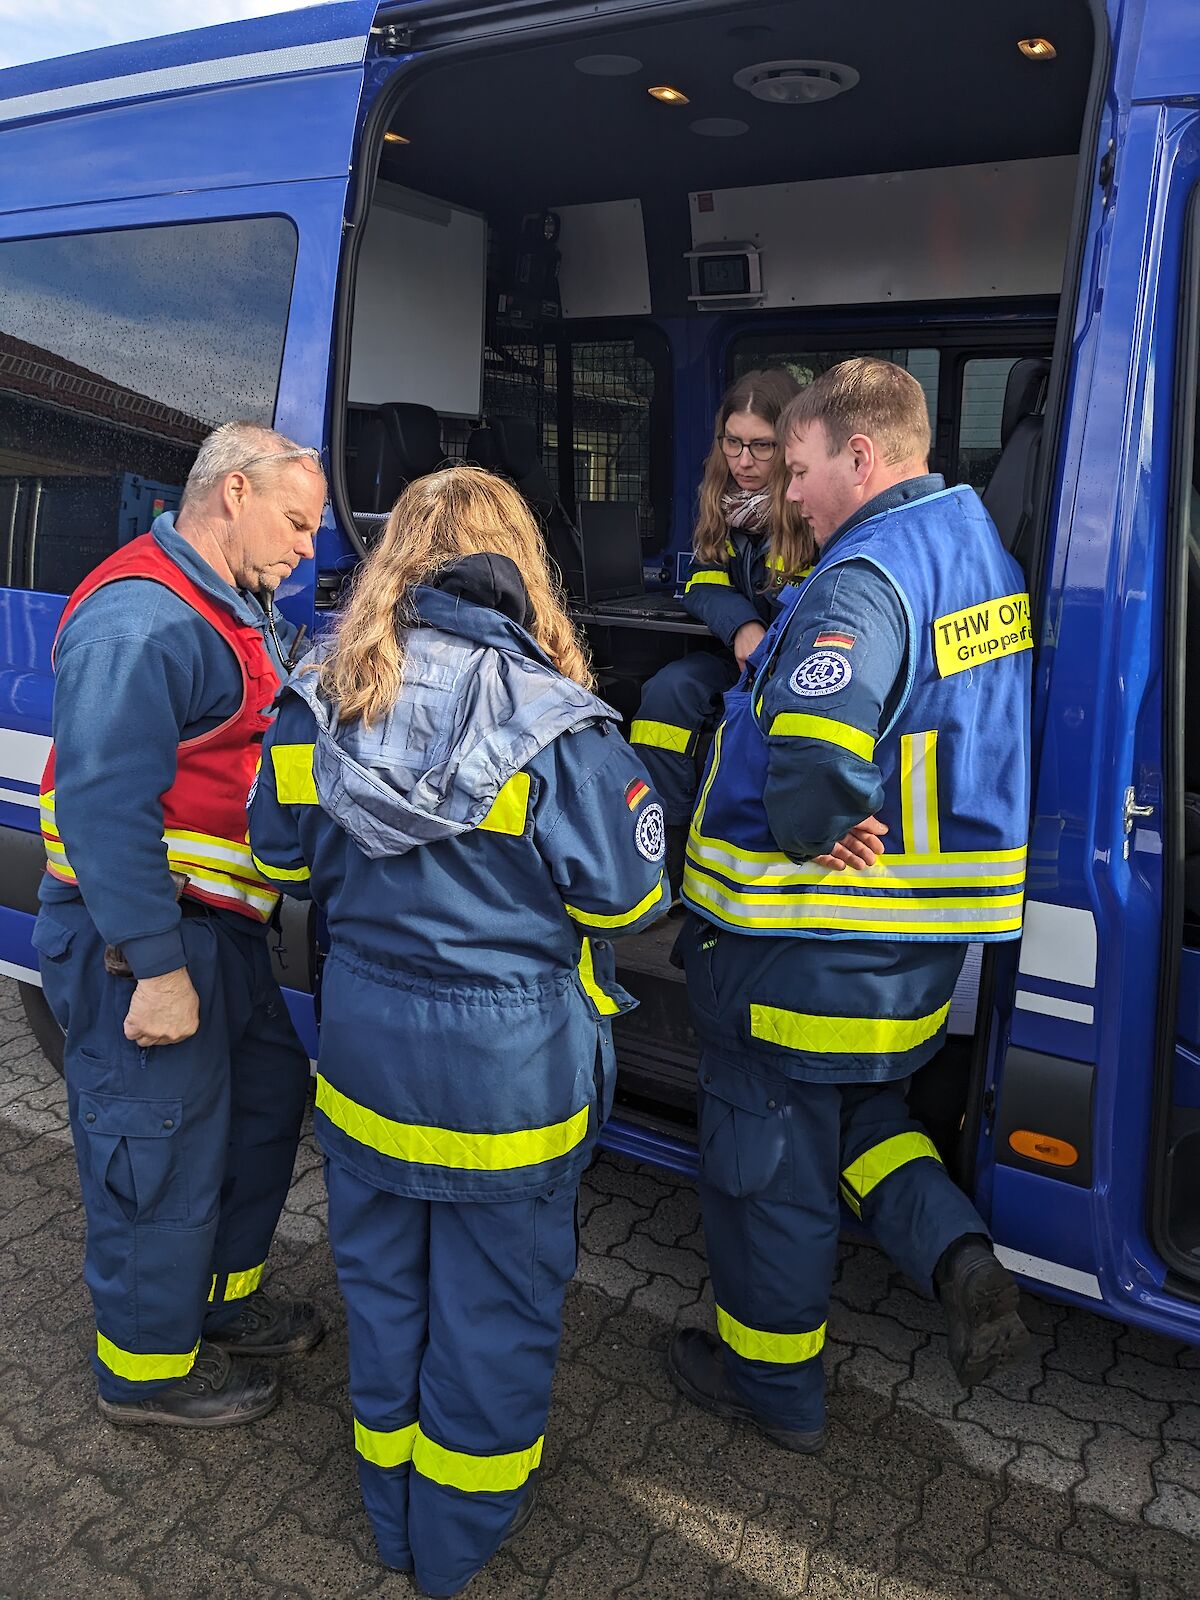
185	1078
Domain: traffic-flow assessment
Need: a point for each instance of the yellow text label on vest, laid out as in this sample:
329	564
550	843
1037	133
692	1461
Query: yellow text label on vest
982	633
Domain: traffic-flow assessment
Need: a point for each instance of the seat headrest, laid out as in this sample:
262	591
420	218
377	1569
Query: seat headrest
416	437
1024	393
516	443
482	450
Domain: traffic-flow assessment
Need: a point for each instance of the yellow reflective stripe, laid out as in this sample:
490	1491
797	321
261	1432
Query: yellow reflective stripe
755	1344
239	1284
510	809
880	1161
622	919
801	725
844	916
282	874
138	1368
294	783
834	1036
890	872
210	847
662	735
933	831
224	886
450	1147
385	1448
604	1003
474	1474
716	576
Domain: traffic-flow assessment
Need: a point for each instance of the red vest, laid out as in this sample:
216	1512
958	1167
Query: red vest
204	810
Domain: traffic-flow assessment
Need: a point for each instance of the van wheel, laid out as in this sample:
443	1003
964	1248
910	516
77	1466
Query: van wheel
43	1025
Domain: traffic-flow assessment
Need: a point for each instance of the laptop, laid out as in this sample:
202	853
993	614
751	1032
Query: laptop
613	582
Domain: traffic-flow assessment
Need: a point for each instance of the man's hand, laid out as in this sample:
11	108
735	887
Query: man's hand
857	849
746	641
163	1010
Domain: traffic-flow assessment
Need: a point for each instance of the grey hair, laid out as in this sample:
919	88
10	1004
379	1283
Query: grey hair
241	447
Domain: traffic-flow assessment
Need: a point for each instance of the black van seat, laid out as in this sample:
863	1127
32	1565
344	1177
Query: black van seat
387	446
509	446
1009	495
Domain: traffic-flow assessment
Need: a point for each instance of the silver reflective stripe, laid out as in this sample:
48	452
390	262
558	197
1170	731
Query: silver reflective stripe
779	872
856	908
188	75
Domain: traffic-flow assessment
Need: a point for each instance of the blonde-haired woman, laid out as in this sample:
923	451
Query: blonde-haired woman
444	784
748	542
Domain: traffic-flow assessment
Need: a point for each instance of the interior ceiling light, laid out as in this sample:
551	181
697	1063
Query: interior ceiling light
720	127
668	96
796	83
395	138
608	66
1037	49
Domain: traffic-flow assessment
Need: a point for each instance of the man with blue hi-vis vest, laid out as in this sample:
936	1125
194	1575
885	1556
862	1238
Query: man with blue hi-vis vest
887	708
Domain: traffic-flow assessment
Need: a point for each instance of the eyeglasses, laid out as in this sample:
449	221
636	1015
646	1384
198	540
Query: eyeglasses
760	449
306	452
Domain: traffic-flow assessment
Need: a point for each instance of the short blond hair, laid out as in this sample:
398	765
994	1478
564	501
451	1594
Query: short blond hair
869	396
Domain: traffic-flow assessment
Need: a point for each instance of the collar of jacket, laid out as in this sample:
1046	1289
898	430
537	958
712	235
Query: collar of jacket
900	494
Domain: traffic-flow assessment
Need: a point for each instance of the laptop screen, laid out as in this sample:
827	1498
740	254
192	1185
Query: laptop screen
612	550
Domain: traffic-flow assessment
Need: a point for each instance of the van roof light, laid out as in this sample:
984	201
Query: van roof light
395	138
668	96
1037	49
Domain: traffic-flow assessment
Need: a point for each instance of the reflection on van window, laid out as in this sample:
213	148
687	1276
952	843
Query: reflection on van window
805	365
118	352
984	381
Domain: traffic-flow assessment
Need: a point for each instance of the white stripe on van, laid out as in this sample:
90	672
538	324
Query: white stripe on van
1085	1283
1059	943
18	797
1050	1005
188	75
9	969
22	756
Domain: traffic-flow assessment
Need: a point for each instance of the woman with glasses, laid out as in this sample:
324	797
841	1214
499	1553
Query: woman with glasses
446	787
747	544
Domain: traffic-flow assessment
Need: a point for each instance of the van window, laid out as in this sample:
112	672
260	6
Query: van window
119	351
805	365
984	379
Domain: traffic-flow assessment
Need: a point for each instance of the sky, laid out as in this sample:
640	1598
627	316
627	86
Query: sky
32	30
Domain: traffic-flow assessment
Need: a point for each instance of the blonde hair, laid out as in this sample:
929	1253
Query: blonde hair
459	511
870	396
766	395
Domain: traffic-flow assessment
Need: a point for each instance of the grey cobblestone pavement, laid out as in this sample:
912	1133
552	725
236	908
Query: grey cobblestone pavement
1075	1474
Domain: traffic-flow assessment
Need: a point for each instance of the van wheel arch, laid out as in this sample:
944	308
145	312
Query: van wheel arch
43	1025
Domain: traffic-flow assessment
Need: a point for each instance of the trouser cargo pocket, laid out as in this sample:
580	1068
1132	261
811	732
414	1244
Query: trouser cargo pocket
132	1158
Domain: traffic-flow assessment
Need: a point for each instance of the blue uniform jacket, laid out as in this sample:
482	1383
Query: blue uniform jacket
136	672
724	596
474	852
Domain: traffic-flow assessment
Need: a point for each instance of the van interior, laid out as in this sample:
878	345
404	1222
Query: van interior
572	247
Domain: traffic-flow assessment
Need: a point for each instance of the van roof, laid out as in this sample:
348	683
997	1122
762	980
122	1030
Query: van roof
315	36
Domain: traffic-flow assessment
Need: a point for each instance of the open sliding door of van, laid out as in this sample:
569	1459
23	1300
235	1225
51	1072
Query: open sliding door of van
171	220
1074	1189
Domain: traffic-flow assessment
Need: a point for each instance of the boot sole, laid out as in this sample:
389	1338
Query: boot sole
988	1307
735	1413
299	1346
123	1417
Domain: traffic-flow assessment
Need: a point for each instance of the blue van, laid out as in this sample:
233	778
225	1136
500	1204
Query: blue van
544	234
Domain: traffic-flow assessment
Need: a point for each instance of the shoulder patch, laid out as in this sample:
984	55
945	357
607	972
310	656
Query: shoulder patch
636	792
822	672
835	639
650	834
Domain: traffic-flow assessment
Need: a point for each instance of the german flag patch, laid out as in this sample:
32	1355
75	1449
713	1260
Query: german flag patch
636	793
836	637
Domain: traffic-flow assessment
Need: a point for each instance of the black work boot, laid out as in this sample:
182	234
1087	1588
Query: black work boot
217	1393
980	1300
267	1327
697	1370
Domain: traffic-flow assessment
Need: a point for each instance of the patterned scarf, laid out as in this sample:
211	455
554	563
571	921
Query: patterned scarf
746	508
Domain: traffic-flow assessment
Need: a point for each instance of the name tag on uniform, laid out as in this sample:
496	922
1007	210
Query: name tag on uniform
985	632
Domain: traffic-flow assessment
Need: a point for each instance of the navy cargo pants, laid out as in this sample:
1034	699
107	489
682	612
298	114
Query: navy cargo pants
454	1313
185	1151
680	702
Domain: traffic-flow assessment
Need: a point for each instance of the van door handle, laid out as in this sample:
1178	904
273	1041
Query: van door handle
1131	810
